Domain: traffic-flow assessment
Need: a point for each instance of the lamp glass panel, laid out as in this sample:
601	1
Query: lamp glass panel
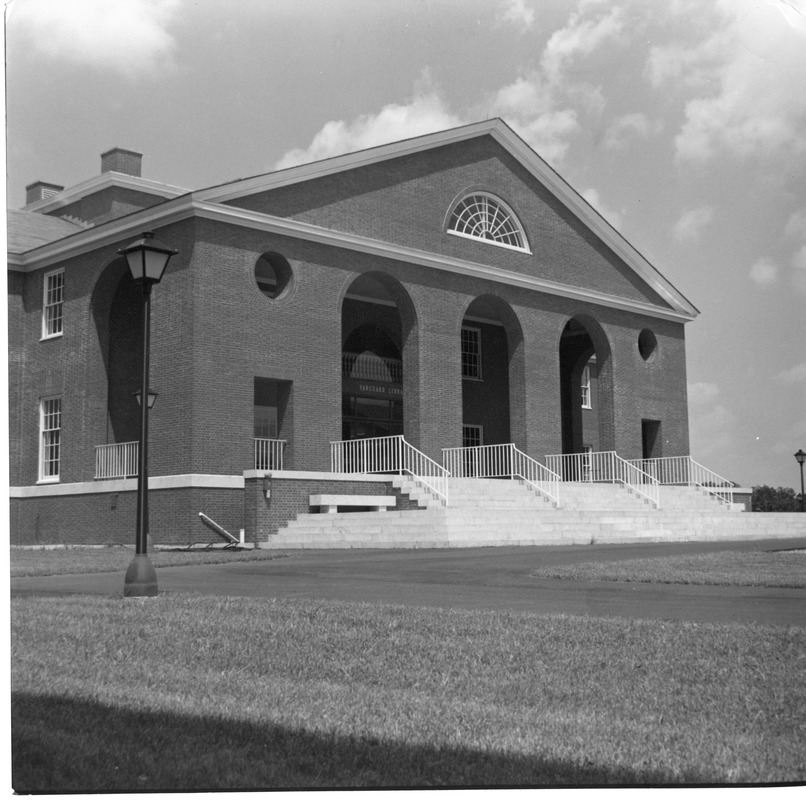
155	263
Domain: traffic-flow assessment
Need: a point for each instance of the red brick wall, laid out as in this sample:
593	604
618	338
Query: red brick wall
110	518
291	497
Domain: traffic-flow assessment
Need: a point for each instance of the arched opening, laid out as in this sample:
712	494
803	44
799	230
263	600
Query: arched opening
372	360
117	308
585	387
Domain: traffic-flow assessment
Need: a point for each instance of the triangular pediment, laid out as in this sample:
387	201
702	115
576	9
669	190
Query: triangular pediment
400	194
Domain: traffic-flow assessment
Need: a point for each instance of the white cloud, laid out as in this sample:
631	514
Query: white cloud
794	375
613	217
580	37
796	225
750	73
764	272
628	127
131	38
424	113
519	13
545	105
691	223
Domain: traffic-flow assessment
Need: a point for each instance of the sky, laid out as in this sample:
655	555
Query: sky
683	123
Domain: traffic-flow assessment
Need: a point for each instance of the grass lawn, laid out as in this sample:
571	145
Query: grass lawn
783	569
188	692
29	562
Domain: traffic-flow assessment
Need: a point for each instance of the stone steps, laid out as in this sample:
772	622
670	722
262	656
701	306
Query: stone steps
487	513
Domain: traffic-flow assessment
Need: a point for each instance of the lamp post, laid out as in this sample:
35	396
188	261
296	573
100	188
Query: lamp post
147	259
800	457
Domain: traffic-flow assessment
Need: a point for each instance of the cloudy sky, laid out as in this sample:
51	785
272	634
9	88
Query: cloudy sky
683	122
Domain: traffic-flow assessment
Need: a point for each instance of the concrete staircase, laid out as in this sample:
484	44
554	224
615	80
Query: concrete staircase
487	513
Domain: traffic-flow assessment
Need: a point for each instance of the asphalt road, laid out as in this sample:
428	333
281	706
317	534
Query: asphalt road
478	578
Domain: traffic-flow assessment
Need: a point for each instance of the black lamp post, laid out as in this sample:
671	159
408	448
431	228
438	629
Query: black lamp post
800	457
147	259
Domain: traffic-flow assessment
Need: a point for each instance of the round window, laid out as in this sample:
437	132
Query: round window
272	274
647	344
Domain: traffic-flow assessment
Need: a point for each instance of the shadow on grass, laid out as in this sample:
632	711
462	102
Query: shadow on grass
61	745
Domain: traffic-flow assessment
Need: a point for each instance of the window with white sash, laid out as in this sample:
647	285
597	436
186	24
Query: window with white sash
50	438
53	304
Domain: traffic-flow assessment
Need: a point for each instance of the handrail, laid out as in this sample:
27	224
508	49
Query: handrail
218	529
269	453
389	454
605	467
116	460
684	470
639	481
501	461
540	477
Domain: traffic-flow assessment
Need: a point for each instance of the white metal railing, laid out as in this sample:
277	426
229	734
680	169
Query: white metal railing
269	453
501	461
545	480
685	471
116	460
371	367
605	467
390	454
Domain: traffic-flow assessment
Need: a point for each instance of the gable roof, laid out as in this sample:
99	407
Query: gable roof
513	144
212	203
27	230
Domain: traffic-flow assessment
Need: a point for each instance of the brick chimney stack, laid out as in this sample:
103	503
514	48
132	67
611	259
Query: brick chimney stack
119	160
40	191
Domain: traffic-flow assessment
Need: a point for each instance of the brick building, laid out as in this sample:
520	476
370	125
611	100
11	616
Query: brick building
452	289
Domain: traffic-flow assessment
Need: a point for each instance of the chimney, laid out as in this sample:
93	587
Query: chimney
40	191
119	160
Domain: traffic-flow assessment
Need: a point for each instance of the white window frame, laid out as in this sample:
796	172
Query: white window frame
471	372
53	304
507	216
478	434
585	385
50	439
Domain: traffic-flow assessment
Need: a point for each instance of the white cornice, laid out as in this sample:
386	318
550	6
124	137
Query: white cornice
187	206
303	230
155	483
105	180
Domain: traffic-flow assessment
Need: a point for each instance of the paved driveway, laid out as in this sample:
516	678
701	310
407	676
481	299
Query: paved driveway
490	577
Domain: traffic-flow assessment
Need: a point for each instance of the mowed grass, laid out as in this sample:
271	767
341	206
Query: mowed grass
30	562
782	569
197	693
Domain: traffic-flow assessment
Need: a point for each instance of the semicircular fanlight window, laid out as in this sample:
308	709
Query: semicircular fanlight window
480	216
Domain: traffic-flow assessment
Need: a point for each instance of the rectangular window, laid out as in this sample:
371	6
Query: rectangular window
472	436
471	353
586	387
265	422
53	304
50	427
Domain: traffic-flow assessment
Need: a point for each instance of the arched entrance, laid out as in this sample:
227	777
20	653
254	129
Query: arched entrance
586	397
117	308
372	359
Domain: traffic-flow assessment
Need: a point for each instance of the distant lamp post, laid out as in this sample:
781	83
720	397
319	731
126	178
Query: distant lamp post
800	457
147	259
